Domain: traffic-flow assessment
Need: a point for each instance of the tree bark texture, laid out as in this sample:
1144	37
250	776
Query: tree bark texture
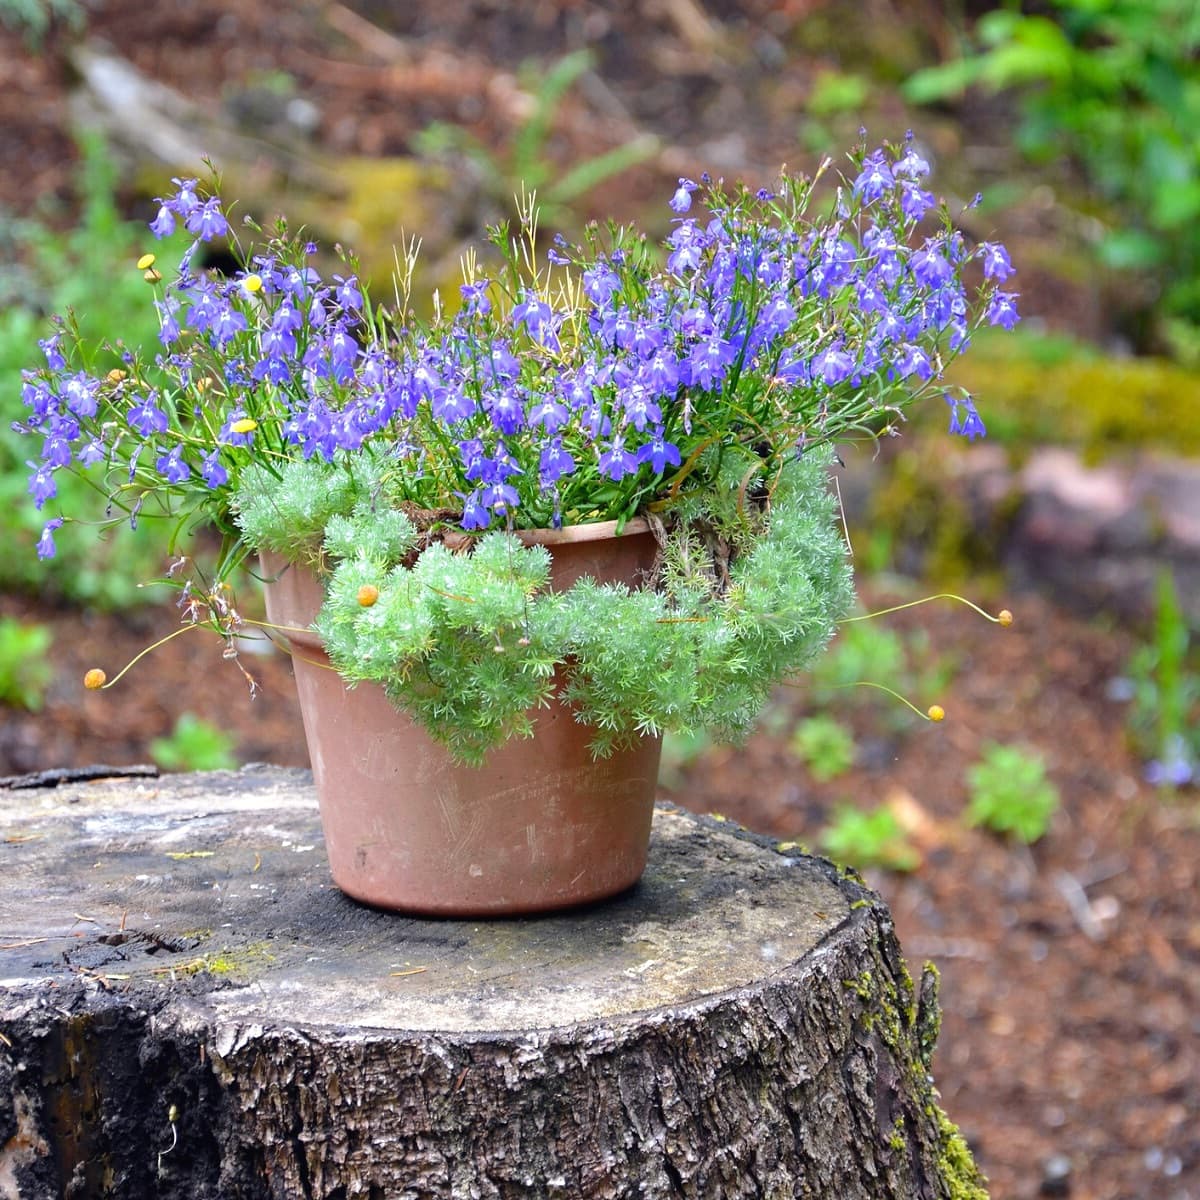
189	1009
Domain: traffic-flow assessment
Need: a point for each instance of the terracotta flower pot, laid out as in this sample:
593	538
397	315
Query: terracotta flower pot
538	826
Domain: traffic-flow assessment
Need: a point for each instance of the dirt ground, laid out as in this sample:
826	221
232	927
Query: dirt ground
1070	1053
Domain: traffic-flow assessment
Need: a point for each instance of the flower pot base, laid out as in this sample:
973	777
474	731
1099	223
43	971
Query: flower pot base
540	826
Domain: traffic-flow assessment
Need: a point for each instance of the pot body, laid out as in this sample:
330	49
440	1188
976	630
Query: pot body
538	826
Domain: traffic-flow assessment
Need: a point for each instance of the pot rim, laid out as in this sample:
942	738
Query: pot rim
595	532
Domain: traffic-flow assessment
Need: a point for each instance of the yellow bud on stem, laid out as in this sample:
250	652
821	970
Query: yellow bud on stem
1005	617
936	712
152	276
146	262
94	679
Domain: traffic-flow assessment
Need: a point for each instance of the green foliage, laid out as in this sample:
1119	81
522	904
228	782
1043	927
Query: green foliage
1166	692
24	668
826	746
471	643
1116	85
525	165
194	745
870	652
33	18
1054	389
872	838
91	272
1009	793
679	752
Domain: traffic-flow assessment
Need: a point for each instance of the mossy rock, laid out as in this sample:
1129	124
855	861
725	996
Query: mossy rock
1097	403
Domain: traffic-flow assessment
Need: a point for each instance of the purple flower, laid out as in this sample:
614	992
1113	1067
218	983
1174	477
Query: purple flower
996	263
56	452
912	360
912	165
207	221
79	393
930	267
227	324
45	546
347	294
708	361
172	467
1002	310
659	453
551	414
475	297
687	244
599	283
49	347
163	224
681	201
185	201
506	411
555	462
475	513
146	417
915	202
834	365
451	405
968	422
41	484
875	179
91	453
211	470
616	462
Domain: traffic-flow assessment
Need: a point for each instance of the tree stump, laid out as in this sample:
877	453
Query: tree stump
189	1008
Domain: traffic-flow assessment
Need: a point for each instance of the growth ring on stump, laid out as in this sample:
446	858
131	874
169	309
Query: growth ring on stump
190	1009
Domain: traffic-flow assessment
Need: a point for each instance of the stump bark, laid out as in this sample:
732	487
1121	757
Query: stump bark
189	1008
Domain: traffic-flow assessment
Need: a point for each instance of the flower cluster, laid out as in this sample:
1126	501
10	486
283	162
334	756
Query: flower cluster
593	382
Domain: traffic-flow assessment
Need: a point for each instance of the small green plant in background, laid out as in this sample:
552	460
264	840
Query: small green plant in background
826	746
525	166
33	18
1010	793
870	652
869	838
90	271
25	671
1116	87
1165	693
194	745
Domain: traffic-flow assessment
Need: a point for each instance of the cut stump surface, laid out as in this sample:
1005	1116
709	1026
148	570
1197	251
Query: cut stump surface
189	1008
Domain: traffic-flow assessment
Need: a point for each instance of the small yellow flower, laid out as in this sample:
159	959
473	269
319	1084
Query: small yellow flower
368	594
146	262
152	276
245	425
936	712
94	679
1005	618
252	284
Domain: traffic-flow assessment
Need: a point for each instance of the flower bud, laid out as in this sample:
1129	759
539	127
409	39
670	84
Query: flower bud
116	375
245	425
1005	617
367	595
94	679
936	713
146	262
252	284
152	276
